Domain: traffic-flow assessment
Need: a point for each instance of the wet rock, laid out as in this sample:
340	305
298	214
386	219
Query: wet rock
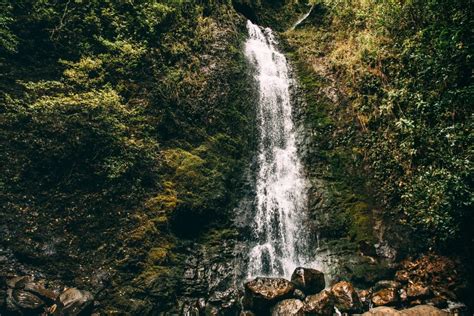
385	297
423	310
386	284
345	297
382	311
19	282
74	301
290	307
310	281
24	300
299	294
319	304
402	294
438	301
417	290
201	303
402	276
210	310
39	290
364	296
247	313
415	302
262	293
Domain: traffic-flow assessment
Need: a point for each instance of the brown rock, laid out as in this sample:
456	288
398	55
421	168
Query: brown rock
290	307
417	290
385	297
423	310
39	290
402	276
74	301
319	304
262	293
310	281
382	311
345	297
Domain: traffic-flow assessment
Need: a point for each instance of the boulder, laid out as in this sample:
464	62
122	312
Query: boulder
386	284
386	297
382	311
262	293
345	297
310	281
74	301
417	290
423	310
290	307
319	304
24	300
39	290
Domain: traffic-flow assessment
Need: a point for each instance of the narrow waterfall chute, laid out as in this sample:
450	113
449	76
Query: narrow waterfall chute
279	237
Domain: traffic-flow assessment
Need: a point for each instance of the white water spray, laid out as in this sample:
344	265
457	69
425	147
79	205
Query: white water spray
280	186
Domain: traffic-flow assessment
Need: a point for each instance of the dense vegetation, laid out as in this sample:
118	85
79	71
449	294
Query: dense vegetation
114	137
404	123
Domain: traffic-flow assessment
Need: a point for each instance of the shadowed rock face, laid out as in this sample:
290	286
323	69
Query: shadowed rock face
262	293
310	281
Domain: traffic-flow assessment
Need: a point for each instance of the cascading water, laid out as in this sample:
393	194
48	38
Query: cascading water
280	184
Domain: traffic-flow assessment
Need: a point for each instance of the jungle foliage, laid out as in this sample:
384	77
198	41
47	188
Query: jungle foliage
405	69
120	121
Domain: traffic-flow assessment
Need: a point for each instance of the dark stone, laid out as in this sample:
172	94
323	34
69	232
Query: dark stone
310	281
39	290
74	301
345	297
25	300
290	307
364	296
438	301
299	294
18	282
367	249
262	293
319	304
386	284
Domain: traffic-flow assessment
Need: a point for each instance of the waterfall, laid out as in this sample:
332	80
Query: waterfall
279	239
302	18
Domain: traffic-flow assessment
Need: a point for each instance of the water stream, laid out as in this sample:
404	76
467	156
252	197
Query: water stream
279	238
